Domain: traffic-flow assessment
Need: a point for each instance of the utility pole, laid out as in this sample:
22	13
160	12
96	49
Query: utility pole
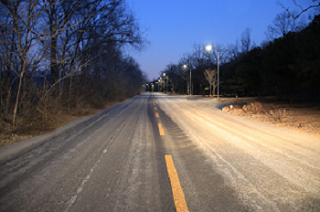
190	82
218	75
164	75
167	83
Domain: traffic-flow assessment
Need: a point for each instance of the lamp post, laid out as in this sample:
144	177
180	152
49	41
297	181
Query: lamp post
162	84
164	75
185	67
167	84
208	49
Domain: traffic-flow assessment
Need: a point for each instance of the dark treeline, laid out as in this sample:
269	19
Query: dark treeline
66	54
286	66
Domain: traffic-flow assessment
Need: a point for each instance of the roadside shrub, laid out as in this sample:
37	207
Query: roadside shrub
278	114
254	107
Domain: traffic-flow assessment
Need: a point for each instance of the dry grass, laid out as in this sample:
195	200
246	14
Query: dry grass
40	120
253	107
32	124
300	117
278	115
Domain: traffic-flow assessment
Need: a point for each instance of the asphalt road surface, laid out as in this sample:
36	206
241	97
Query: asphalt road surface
156	152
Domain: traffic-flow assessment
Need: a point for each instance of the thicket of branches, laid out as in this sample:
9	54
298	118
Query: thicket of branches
65	55
287	64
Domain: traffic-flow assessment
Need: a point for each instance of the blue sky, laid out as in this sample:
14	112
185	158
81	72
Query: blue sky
173	26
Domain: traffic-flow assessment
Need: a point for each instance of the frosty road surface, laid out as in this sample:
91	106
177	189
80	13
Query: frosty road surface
156	152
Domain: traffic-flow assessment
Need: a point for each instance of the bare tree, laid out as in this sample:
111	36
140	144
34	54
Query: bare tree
246	40
233	51
313	4
65	38
210	76
60	16
9	60
24	16
282	25
222	53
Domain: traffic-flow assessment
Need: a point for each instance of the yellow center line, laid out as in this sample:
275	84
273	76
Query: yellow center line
155	108
178	195
161	132
157	115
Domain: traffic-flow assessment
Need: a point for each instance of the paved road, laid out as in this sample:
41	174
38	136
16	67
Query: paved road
166	153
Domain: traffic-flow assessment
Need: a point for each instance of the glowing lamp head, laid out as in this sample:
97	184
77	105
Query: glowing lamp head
208	48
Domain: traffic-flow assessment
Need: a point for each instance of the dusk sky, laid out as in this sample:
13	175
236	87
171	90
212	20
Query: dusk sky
173	26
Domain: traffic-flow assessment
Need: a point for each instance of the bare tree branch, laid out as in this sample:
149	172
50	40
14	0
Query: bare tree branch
302	10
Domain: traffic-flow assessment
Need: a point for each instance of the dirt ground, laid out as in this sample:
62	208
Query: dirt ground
300	117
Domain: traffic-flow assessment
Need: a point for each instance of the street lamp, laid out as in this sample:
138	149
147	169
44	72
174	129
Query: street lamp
162	84
167	84
185	67
208	49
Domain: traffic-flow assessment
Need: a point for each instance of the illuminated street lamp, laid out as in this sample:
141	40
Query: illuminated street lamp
208	49
185	67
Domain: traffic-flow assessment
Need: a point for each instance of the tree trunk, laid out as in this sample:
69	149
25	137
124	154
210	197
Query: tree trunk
17	98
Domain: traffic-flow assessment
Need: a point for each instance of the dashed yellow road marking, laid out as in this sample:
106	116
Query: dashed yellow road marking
161	132
157	115
178	195
155	108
